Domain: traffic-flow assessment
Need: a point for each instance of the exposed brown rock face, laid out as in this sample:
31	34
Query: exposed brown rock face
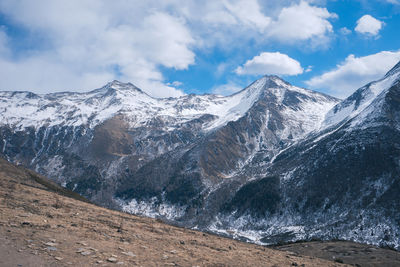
112	139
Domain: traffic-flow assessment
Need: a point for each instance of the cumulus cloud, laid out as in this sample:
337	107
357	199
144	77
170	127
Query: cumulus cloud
248	11
282	21
368	25
345	31
82	44
270	63
231	14
302	21
90	45
355	72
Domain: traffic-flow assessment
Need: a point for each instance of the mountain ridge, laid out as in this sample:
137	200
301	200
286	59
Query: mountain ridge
273	162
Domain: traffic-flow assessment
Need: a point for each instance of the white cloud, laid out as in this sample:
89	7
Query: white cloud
167	41
285	21
176	83
43	75
345	31
248	11
355	72
394	2
368	25
4	50
302	22
227	89
88	42
238	13
270	63
83	44
221	68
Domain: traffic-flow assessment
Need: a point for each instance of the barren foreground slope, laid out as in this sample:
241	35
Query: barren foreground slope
39	227
348	252
42	224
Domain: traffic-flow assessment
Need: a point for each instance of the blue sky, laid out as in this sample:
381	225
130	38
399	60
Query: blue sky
177	47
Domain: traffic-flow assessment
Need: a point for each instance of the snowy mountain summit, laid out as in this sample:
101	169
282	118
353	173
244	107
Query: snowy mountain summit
270	163
366	102
25	109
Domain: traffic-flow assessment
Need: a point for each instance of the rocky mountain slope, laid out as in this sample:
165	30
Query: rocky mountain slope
106	140
40	227
340	182
270	163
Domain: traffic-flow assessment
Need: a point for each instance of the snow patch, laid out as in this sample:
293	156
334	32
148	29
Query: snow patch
54	167
152	208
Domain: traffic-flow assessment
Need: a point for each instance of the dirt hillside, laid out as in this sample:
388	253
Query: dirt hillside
346	252
42	224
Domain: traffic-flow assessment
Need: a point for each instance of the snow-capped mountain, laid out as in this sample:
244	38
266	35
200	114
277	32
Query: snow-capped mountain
364	103
273	162
340	182
142	126
25	109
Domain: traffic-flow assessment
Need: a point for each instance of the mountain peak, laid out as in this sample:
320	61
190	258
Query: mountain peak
117	85
278	80
274	85
273	77
364	100
117	89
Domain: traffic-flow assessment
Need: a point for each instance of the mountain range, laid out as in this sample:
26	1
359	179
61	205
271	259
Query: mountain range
272	163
